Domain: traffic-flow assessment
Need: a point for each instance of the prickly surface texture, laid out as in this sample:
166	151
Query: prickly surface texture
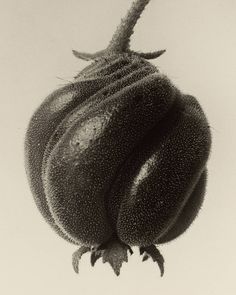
124	154
156	182
92	143
118	157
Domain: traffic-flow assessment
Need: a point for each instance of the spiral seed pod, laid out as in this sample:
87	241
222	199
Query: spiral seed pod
118	157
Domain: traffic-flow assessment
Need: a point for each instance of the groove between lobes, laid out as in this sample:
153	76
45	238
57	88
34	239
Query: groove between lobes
51	113
91	142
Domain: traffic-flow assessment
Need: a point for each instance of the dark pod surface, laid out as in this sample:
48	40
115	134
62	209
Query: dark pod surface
156	182
188	213
42	125
57	106
117	158
93	147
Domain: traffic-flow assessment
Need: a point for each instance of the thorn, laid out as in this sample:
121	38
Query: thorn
82	55
89	56
141	250
115	254
77	256
149	55
145	257
154	253
94	257
130	250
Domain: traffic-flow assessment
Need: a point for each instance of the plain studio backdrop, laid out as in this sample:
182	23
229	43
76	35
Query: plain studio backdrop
36	42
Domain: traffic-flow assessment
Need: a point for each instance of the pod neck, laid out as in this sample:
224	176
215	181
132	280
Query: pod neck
120	42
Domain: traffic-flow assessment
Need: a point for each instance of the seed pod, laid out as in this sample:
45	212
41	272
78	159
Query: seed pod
118	157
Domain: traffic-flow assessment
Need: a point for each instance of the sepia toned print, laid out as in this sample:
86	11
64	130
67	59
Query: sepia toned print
117	158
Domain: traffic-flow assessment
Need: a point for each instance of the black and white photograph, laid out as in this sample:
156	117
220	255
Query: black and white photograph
118	162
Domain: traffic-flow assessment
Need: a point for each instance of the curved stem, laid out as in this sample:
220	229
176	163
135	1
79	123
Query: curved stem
120	42
121	38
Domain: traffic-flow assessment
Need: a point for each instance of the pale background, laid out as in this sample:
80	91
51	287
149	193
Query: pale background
36	42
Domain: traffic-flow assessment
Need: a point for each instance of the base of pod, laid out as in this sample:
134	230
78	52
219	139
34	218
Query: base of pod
115	253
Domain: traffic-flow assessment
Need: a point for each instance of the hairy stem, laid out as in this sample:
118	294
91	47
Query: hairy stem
121	38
